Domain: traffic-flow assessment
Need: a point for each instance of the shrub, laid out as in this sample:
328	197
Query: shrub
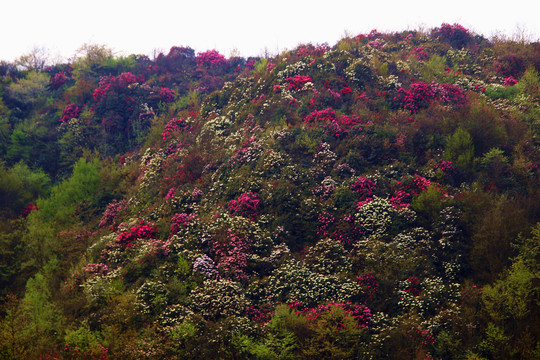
419	96
456	35
211	58
140	231
71	111
247	205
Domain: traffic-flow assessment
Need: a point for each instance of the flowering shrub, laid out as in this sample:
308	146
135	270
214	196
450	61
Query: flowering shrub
509	81
420	54
181	220
311	50
113	84
95	269
360	313
455	34
326	115
446	167
412	286
420	183
451	94
369	284
376	217
140	231
166	94
294	281
348	121
247	205
328	256
231	254
297	82
112	211
58	80
211	58
400	199
205	266
71	111
175	125
419	96
261	314
364	187
29	208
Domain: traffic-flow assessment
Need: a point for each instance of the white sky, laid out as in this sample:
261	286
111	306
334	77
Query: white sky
250	26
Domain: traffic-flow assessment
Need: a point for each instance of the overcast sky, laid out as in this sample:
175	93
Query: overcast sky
249	26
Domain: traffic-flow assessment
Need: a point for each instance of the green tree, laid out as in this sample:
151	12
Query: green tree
460	150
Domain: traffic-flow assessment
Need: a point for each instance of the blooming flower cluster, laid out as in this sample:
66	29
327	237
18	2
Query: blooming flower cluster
314	51
174	125
70	112
446	167
457	35
166	94
413	287
96	269
326	115
58	80
140	231
419	96
110	214
297	82
247	205
369	283
364	187
211	58
29	208
205	266
181	220
361	313
509	81
108	84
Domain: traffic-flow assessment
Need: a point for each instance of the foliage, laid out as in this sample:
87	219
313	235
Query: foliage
374	199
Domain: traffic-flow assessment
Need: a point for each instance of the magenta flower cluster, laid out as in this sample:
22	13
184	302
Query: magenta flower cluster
108	84
446	167
110	214
96	269
231	255
509	81
247	205
181	220
211	58
140	231
326	115
413	287
361	313
70	112
418	96
364	187
58	80
166	94
369	283
174	125
315	51
296	82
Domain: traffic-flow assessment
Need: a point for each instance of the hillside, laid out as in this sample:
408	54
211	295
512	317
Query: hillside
374	199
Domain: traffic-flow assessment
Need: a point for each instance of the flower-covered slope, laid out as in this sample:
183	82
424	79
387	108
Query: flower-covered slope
375	199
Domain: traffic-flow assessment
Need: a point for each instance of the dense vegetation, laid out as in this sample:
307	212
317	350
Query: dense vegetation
377	199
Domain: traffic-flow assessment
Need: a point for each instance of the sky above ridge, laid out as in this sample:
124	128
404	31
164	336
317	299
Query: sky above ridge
247	27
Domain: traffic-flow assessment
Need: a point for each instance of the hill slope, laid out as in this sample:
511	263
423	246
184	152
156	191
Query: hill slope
375	199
